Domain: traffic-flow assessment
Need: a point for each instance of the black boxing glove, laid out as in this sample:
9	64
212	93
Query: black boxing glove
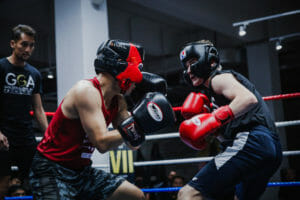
131	132
153	113
150	83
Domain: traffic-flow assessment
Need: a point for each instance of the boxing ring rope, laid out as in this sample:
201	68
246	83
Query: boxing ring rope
19	198
194	160
267	98
175	189
176	134
189	160
183	160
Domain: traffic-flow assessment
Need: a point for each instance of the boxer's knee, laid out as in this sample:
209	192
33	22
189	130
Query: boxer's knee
128	191
189	193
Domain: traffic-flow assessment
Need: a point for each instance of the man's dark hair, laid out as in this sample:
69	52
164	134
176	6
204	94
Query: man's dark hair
205	42
21	28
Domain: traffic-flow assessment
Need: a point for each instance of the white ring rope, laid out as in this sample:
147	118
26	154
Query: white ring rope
183	161
175	135
179	161
162	136
190	160
287	123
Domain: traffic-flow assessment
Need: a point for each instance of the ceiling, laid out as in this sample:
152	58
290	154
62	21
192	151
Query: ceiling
217	15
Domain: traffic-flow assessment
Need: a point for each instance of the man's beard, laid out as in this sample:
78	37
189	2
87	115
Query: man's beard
23	58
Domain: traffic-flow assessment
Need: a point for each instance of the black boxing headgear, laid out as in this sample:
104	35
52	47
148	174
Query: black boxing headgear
121	59
207	59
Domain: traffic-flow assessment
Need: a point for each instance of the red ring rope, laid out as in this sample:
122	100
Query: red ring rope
274	97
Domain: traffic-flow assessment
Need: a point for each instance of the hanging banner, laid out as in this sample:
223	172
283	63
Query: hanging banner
121	160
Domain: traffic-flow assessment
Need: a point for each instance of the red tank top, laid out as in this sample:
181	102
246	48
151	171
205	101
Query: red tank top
65	141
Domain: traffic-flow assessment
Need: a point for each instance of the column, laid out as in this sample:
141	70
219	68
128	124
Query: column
80	27
264	72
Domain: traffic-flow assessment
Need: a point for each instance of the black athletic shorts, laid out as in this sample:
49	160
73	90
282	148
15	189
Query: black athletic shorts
17	156
49	180
246	166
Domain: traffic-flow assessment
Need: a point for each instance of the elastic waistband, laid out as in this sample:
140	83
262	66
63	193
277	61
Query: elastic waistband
266	131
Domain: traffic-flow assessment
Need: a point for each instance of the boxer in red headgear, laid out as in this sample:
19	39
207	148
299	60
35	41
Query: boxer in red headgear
122	60
62	167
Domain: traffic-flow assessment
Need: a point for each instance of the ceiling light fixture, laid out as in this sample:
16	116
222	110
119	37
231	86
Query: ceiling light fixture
247	22
278	40
278	45
50	75
242	30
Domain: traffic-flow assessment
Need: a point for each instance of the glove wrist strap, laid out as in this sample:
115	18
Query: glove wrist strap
224	114
129	132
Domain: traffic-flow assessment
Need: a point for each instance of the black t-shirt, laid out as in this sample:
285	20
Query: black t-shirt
17	86
258	115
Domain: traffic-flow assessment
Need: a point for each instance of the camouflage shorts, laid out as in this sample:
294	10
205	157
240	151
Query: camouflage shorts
50	180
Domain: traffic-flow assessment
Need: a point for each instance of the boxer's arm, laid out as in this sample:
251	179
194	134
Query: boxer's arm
88	104
4	145
39	112
123	114
242	100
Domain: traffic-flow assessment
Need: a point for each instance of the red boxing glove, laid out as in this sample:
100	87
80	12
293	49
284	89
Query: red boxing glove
194	130
194	104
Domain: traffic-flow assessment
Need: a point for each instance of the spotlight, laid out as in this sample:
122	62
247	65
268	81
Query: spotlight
242	30
50	75
278	45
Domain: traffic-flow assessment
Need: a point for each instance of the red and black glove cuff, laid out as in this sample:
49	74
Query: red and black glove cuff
131	133
224	114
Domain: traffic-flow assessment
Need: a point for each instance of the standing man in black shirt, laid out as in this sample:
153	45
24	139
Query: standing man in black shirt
20	85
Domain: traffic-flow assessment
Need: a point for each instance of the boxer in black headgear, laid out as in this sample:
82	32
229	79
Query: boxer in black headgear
235	112
207	58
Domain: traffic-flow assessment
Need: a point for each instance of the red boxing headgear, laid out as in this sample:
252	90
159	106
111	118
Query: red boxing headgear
123	60
132	72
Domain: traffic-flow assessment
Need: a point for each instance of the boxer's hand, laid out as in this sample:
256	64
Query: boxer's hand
153	113
131	132
4	145
194	104
194	130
